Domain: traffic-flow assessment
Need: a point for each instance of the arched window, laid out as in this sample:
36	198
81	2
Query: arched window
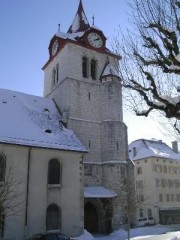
85	67
54	172
53	217
93	69
2	168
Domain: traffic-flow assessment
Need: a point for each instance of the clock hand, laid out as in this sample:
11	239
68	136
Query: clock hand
97	39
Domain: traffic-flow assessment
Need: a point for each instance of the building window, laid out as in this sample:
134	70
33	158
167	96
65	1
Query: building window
140	198
139	170
93	69
165	169
171	183
172	197
177	183
160	197
53	217
141	213
57	73
85	67
2	168
170	169
158	168
117	145
178	197
88	170
157	182
54	172
149	212
139	184
163	183
167	198
54	75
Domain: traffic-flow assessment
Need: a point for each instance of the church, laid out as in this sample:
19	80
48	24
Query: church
65	154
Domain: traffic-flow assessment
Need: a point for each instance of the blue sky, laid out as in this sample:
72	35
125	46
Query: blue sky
26	28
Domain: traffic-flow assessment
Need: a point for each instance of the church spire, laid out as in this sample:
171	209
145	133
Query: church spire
80	22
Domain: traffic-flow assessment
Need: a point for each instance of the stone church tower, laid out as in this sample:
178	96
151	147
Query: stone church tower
81	76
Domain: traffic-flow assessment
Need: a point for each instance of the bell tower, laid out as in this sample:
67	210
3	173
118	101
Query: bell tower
81	76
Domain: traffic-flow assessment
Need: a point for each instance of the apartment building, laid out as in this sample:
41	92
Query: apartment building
157	175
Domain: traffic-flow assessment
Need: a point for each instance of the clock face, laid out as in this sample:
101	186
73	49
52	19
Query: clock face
54	48
95	40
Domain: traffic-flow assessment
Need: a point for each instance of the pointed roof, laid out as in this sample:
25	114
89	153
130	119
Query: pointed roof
110	70
80	22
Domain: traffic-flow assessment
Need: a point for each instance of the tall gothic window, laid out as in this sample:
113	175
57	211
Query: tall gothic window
93	69
2	168
54	172
54	75
57	73
85	67
53	221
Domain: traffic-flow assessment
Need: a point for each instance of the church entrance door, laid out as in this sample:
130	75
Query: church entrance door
90	218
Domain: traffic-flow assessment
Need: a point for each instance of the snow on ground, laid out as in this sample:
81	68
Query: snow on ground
141	233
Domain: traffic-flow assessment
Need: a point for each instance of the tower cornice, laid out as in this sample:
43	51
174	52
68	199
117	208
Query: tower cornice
63	43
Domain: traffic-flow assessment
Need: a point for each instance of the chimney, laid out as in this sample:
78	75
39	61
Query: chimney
134	151
175	146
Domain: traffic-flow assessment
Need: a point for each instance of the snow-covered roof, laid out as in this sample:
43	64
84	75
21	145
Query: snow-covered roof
110	70
95	27
80	22
98	192
143	148
72	36
33	121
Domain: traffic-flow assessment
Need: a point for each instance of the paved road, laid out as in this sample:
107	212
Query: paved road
167	236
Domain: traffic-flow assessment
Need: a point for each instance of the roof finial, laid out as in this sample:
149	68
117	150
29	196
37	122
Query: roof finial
59	27
93	19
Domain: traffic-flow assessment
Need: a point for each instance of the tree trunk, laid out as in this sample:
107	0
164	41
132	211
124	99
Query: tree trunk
129	226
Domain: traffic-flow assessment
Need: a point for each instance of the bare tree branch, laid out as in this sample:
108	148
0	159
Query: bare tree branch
10	202
150	65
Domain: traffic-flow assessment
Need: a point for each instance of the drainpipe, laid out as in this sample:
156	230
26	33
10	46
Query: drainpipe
27	193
